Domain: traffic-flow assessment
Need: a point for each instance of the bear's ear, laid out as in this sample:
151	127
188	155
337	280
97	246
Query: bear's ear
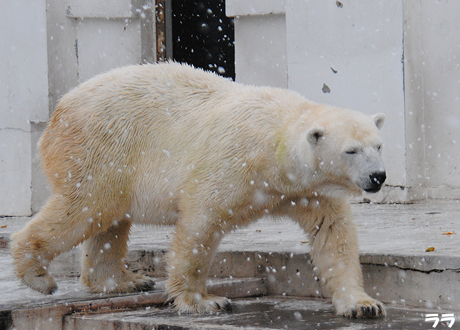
315	134
379	119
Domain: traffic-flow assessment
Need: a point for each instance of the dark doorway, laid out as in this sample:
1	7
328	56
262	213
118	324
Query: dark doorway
203	36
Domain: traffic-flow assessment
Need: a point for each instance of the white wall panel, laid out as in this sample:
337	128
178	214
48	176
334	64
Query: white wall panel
351	57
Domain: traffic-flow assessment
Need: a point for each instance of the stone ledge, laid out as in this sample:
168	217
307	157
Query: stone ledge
51	314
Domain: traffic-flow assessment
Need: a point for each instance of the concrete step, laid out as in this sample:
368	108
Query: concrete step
415	280
235	275
50	313
262	313
393	240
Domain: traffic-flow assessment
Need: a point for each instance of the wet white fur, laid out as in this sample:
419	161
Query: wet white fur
171	145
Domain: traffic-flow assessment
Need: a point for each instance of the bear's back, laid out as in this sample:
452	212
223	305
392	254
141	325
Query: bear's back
142	113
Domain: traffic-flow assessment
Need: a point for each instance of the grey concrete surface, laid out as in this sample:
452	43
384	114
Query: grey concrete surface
50	313
255	313
393	242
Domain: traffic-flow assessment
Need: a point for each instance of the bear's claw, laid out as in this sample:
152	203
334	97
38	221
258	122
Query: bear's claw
366	312
361	308
146	284
225	307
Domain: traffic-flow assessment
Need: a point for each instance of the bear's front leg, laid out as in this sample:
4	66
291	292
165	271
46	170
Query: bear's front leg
335	256
189	260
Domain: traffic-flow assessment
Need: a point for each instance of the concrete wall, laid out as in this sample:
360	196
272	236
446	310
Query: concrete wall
260	42
350	56
399	57
432	86
86	38
23	98
50	46
396	57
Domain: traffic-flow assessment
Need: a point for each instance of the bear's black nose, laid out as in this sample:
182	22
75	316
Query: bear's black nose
378	178
375	182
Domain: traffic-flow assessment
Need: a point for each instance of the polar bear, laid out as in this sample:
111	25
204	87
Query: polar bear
168	144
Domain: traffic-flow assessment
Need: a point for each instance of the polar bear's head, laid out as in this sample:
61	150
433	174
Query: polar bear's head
346	148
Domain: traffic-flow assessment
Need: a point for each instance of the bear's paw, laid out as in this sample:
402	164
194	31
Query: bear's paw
129	282
43	283
202	304
365	307
139	284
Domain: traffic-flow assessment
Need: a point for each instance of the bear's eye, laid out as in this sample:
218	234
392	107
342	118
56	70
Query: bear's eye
352	151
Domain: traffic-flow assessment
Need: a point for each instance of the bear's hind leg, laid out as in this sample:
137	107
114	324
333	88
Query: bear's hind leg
103	262
49	233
